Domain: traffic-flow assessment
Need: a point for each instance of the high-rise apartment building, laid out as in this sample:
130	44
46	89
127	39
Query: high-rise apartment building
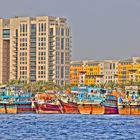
35	49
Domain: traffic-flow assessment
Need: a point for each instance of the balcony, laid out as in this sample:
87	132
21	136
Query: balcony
51	68
51	60
14	41
14	46
132	70
51	54
14	55
51	44
51	50
115	75
15	51
33	54
32	68
51	75
51	41
51	36
14	64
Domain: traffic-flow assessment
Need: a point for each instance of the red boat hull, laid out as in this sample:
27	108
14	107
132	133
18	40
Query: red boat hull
24	108
69	108
111	110
47	108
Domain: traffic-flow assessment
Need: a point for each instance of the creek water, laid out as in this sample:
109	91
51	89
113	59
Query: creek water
69	127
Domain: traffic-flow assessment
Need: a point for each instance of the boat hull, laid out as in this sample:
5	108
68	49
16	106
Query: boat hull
111	110
7	108
46	108
135	110
69	108
11	109
24	107
85	108
98	109
129	110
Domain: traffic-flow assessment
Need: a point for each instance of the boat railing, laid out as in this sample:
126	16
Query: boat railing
14	95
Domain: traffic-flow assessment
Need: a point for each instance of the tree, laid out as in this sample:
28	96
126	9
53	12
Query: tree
111	85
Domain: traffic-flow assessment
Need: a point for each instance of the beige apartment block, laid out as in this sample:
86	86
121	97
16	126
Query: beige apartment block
109	71
35	49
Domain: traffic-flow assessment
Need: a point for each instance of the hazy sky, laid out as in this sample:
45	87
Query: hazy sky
101	29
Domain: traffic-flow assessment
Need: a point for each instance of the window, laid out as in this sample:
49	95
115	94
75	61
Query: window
62	31
62	57
62	72
57	31
23	27
62	43
6	33
51	31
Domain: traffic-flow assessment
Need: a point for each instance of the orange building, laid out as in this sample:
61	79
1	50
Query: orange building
92	69
75	69
84	72
125	68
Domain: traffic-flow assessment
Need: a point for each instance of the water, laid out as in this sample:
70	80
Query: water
69	127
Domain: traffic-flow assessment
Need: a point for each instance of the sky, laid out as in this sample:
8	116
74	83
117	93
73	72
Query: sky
101	29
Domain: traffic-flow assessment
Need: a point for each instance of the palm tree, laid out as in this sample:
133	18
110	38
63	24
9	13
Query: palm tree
137	83
122	86
49	85
102	85
14	82
111	85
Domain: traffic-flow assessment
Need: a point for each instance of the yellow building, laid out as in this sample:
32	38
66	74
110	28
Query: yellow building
92	70
125	68
97	72
137	71
75	69
136	67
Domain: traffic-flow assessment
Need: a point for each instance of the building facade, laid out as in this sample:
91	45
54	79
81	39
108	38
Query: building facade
115	71
96	72
124	70
75	70
109	71
84	72
35	49
92	72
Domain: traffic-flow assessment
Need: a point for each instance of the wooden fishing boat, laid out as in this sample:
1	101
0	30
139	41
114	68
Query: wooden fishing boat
14	100
46	108
3	109
11	108
124	110
110	104
69	107
24	107
90	102
84	108
129	107
45	103
7	105
7	108
98	109
130	103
